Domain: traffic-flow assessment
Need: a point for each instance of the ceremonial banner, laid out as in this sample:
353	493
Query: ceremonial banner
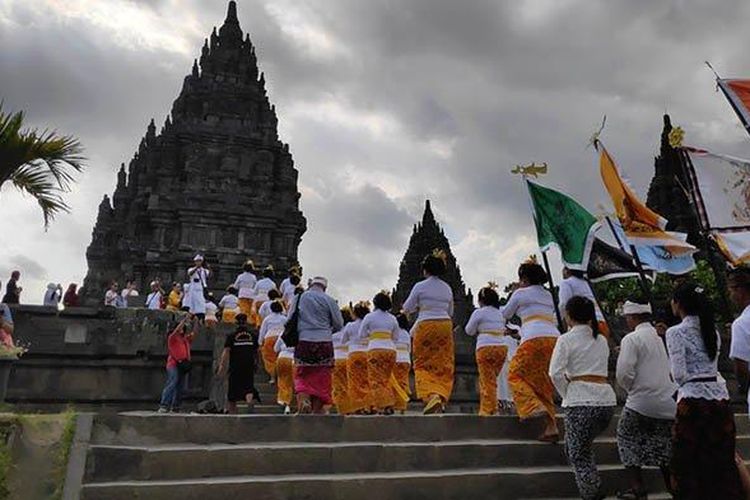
642	225
656	257
734	246
608	262
563	222
738	93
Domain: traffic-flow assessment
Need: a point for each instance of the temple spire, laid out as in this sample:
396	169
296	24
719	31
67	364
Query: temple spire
428	218
232	13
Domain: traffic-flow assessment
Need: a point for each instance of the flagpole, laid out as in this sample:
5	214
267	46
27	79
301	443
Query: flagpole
642	281
553	291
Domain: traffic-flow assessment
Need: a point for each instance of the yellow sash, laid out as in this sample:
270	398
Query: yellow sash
380	336
401	394
538	317
494	333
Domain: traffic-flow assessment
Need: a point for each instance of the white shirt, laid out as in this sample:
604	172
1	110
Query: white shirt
574	286
351	337
488	325
403	347
153	301
272	326
740	346
211	310
288	294
579	353
432	298
284	285
340	350
245	284
229	301
265	309
281	348
689	360
110	298
198	280
643	371
536	308
262	288
380	324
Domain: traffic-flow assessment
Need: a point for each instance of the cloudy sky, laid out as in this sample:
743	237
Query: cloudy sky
384	103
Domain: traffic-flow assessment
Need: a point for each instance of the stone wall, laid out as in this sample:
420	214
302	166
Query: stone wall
100	355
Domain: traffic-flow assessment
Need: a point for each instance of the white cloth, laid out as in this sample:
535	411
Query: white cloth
432	298
351	337
643	371
245	285
272	326
265	309
194	298
288	295
340	349
574	286
689	361
211	311
129	293
111	298
579	353
740	346
153	301
281	348
229	301
488	325
285	284
536	308
262	287
52	297
379	322
504	392
403	347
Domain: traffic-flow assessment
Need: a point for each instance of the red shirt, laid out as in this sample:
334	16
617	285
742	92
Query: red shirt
178	348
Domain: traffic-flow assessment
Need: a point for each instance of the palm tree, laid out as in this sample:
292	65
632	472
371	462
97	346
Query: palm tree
40	164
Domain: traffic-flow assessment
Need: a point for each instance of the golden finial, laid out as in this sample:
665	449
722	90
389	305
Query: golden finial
269	267
493	285
385	292
363	303
531	170
676	137
531	259
440	254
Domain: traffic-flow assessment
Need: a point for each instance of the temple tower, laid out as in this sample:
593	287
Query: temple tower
215	179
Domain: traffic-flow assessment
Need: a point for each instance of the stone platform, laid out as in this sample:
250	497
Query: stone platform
147	455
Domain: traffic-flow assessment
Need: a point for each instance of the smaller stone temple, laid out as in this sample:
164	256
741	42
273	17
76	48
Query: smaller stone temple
216	179
426	237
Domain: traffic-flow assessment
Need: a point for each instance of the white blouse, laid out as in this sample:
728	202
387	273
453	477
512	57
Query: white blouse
351	337
381	328
272	326
403	347
340	349
281	348
577	287
488	325
432	298
262	288
229	301
536	308
245	284
689	360
579	353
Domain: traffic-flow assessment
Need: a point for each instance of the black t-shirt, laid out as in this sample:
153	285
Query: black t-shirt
11	293
243	347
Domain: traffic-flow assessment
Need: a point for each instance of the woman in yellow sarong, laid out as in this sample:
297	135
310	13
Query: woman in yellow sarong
262	287
284	375
358	386
174	300
432	334
229	305
270	330
403	365
245	284
381	329
340	389
488	325
528	377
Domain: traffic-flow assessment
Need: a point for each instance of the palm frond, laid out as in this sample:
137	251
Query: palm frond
39	163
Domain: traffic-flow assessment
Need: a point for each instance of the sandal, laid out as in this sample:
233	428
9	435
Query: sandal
434	405
633	494
549	438
305	408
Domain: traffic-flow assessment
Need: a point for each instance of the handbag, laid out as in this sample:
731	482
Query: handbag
290	337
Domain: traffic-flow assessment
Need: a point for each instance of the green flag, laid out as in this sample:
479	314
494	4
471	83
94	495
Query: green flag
562	221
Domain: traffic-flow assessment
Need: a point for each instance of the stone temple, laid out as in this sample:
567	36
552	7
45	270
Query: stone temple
216	180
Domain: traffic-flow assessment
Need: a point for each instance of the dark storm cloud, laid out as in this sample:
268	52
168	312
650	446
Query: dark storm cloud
388	103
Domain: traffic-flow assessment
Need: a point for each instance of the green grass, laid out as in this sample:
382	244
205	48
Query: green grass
63	452
7	427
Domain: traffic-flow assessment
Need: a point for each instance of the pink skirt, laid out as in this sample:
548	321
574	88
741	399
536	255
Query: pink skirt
315	381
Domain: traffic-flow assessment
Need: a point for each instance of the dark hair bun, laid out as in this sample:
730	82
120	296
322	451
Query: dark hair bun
534	274
382	301
582	311
488	296
434	266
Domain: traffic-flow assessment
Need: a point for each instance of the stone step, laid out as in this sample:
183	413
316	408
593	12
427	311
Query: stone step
149	428
185	461
444	484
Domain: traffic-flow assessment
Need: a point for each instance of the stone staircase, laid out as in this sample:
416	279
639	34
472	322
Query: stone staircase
142	455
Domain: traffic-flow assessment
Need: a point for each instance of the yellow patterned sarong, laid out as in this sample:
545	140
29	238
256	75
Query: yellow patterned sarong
490	360
269	355
341	387
380	365
284	381
434	358
358	381
528	377
401	375
228	315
